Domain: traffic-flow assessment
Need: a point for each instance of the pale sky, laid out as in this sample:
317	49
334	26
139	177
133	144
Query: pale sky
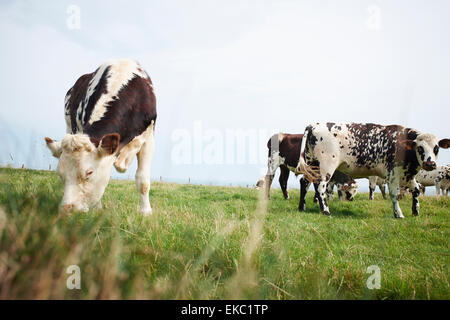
228	65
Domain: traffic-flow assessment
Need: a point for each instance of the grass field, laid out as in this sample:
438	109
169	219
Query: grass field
205	242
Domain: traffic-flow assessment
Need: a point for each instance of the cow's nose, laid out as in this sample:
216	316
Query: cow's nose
429	165
67	207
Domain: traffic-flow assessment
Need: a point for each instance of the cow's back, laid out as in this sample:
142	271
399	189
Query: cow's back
362	149
117	98
430	178
290	148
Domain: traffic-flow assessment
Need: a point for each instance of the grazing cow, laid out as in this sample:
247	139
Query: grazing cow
375	181
440	177
345	185
110	118
405	191
394	153
284	152
260	183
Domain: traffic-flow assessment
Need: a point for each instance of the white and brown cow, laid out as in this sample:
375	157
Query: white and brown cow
375	181
284	152
345	185
110	118
440	178
392	152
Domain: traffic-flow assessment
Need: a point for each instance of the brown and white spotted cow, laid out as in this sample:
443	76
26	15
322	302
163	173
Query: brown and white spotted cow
284	152
345	185
440	178
392	152
375	181
110	118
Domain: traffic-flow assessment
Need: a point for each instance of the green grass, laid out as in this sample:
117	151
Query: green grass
205	242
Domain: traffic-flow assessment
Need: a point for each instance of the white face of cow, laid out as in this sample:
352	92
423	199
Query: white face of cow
84	168
427	149
350	189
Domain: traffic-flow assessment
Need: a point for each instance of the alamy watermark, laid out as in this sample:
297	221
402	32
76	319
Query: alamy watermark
74	280
73	21
374	280
374	21
202	146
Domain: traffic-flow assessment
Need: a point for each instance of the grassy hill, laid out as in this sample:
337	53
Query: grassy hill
205	242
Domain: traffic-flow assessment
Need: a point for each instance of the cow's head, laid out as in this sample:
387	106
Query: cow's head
260	183
84	168
350	188
426	146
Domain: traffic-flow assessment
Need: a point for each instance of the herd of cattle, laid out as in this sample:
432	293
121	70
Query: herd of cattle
330	154
110	118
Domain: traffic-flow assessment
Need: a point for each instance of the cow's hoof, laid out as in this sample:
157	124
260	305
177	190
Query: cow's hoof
120	168
415	214
98	206
146	212
301	209
399	217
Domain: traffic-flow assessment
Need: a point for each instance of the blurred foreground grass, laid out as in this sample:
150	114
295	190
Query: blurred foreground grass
205	242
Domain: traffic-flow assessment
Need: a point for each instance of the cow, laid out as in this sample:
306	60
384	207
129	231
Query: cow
110	117
260	183
375	181
440	178
392	152
345	184
284	151
404	191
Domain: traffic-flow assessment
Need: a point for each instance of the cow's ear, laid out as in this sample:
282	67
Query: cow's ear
54	146
109	144
408	144
444	143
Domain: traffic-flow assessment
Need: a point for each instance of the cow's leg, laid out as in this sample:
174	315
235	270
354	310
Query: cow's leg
394	191
383	190
415	191
304	185
438	189
268	184
371	189
98	205
321	195
273	162
422	189
326	172
144	157
316	197
330	188
284	175
340	195
128	152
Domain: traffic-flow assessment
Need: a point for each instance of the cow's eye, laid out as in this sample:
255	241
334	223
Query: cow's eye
420	150
89	173
436	150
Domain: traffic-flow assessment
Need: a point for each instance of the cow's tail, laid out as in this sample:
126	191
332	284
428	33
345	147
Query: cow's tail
311	173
